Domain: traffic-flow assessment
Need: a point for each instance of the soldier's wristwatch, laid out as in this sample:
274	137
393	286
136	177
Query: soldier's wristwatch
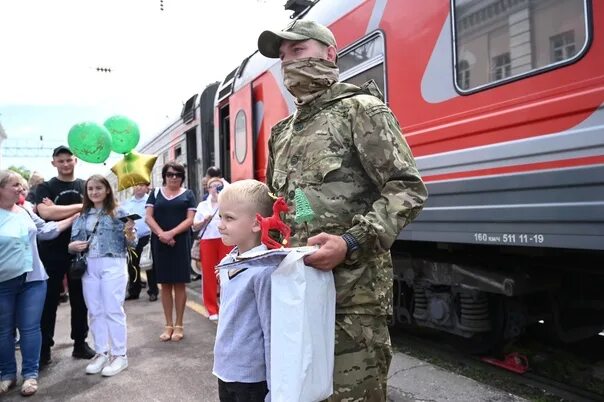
352	244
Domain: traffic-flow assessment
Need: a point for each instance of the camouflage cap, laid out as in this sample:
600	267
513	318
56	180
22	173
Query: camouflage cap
269	42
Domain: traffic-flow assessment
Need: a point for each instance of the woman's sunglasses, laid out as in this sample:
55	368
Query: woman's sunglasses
174	174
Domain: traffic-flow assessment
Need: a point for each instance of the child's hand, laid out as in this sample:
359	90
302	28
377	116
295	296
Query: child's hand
217	273
129	229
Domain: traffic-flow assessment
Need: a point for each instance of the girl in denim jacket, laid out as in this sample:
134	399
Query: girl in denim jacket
105	280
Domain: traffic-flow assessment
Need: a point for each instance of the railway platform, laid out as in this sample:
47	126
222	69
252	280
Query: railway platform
182	371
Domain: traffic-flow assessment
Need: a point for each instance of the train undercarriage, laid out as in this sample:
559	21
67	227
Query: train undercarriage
489	298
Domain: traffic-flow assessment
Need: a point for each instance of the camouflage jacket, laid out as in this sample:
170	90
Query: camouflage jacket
345	150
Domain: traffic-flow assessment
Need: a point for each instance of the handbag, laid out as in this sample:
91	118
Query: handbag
79	264
195	254
78	267
196	258
146	261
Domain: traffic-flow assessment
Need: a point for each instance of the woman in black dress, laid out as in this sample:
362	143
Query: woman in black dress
170	212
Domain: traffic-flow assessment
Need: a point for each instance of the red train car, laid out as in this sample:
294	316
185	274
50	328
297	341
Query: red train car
502	103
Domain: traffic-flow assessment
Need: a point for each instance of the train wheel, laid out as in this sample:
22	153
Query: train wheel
569	325
493	341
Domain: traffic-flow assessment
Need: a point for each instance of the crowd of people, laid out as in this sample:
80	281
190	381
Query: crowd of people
45	224
360	179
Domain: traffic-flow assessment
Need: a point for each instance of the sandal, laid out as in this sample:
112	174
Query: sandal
178	333
29	387
167	334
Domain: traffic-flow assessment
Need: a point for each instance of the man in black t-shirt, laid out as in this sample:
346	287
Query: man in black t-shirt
65	194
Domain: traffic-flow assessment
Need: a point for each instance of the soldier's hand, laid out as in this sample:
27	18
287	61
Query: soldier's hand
332	251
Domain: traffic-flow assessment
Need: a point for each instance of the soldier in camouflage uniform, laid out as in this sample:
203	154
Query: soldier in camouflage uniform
344	148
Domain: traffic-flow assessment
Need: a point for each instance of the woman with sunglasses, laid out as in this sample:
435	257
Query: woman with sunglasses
169	214
212	250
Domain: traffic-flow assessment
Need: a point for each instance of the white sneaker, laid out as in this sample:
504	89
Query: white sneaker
213	317
5	385
98	362
118	364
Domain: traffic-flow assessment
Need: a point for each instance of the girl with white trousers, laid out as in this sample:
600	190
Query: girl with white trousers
105	239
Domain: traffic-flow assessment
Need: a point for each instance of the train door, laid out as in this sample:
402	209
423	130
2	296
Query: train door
241	134
193	162
224	142
206	121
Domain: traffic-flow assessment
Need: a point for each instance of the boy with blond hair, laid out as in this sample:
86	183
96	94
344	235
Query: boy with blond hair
242	347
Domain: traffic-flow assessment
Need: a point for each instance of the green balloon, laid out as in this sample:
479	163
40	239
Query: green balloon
124	133
90	142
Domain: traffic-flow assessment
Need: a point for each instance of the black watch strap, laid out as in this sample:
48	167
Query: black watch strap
351	242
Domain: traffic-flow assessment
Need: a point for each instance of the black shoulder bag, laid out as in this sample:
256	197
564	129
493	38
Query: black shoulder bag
79	264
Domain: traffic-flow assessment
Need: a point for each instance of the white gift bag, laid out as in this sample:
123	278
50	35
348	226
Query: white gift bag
303	308
146	262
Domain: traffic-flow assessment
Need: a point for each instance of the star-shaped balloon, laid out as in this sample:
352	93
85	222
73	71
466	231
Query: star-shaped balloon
133	169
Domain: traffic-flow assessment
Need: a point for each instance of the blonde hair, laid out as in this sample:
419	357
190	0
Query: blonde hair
24	183
6	175
251	192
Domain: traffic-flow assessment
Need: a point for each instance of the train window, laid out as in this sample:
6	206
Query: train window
499	40
188	109
363	61
463	74
240	136
226	87
501	67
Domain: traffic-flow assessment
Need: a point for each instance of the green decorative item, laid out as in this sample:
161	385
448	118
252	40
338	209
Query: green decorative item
124	133
90	142
304	212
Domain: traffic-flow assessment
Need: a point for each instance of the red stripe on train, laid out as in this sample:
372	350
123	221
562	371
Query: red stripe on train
591	160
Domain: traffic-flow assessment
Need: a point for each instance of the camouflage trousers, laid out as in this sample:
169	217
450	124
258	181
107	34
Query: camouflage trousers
362	358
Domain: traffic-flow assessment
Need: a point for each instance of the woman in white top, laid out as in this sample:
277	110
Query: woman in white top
22	283
212	249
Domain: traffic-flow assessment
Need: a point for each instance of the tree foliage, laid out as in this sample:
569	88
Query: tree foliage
22	170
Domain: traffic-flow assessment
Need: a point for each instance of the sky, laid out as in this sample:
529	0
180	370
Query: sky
158	59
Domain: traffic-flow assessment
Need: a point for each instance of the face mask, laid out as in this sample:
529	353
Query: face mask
308	78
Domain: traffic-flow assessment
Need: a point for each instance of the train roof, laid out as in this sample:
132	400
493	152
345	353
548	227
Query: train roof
203	100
